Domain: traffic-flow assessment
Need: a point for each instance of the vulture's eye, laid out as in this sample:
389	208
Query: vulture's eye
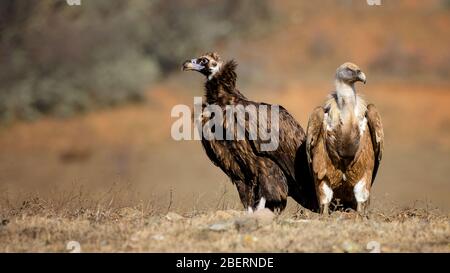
203	61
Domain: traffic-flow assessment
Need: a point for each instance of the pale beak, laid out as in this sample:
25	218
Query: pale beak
192	65
362	77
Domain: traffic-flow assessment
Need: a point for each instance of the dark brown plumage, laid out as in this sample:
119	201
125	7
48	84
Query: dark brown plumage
256	173
345	144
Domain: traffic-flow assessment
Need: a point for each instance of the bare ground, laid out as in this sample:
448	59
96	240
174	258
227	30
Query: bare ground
41	226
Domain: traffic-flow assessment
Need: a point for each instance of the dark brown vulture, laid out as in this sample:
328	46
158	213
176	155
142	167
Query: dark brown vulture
263	178
345	144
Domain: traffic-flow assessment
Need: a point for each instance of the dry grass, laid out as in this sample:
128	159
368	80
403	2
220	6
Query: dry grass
39	225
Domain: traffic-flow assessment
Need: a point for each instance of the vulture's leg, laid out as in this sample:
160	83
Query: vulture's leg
245	194
325	209
361	208
261	204
273	190
325	197
361	192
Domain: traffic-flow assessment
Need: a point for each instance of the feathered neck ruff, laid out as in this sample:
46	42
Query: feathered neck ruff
221	89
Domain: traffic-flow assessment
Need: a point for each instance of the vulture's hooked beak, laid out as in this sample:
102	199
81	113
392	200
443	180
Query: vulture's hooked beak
362	77
192	65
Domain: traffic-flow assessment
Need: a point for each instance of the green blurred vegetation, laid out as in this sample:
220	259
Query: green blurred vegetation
60	60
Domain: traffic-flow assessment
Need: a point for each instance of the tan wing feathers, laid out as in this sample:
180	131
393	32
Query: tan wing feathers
377	135
315	127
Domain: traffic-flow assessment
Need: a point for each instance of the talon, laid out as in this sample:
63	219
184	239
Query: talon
324	209
361	208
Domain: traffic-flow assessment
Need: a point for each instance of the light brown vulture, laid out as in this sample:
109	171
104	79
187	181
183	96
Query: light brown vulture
345	144
263	178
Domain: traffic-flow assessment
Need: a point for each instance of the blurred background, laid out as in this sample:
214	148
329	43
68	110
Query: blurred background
86	92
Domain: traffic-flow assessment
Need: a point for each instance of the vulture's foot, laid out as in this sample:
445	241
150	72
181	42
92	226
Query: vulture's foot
361	208
325	209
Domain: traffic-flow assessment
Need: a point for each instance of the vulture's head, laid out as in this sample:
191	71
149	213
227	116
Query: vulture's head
350	73
208	64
